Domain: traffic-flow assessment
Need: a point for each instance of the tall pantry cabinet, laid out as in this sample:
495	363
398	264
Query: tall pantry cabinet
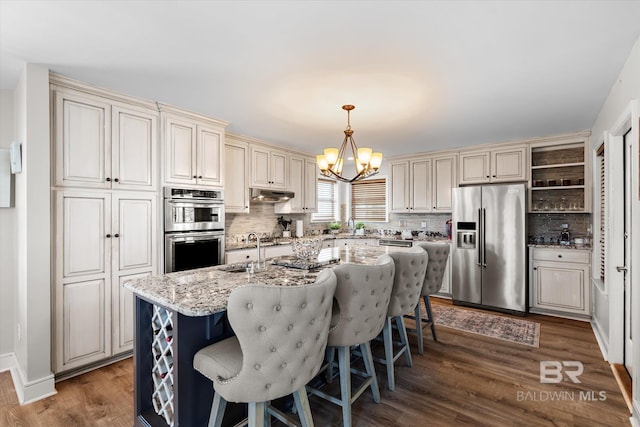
105	149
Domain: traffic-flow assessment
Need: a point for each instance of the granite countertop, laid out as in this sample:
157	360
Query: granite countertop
559	246
205	291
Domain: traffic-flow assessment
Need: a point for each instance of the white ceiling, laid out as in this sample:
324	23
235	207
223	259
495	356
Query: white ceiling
423	75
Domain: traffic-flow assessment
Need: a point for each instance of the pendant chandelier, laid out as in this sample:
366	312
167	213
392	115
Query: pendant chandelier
366	162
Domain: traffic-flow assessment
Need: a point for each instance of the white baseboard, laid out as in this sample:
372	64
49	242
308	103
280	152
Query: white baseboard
604	347
635	418
7	361
30	391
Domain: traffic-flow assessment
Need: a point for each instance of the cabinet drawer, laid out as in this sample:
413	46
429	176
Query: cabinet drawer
562	255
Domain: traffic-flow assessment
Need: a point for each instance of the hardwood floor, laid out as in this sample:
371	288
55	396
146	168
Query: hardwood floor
463	379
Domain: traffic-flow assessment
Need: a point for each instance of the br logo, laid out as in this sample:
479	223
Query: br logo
553	371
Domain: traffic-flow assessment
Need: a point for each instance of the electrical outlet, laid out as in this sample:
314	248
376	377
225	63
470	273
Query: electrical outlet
423	224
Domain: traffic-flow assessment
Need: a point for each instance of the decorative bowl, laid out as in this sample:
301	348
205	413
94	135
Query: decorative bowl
306	249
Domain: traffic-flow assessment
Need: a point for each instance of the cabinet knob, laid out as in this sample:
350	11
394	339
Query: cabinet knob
559	256
108	179
535	268
108	236
487	176
195	176
199	176
116	235
494	176
116	180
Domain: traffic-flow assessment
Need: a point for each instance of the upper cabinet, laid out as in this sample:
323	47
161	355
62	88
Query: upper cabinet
193	150
303	181
268	167
507	164
560	171
236	194
423	185
103	143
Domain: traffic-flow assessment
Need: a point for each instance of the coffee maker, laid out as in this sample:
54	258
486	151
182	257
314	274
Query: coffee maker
565	238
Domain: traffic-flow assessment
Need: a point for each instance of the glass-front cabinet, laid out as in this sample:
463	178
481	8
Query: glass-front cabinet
560	177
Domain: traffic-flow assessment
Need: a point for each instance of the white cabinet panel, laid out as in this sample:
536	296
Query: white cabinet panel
209	156
82	148
303	181
134	232
310	186
180	151
444	180
499	165
85	225
420	184
474	168
269	168
400	202
84	319
123	322
236	182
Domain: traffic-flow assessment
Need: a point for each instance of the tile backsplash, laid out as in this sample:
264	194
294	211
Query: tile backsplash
549	225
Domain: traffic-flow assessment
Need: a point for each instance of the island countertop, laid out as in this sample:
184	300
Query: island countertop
205	291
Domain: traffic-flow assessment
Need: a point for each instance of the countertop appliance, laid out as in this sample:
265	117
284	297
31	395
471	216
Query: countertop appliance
193	229
489	263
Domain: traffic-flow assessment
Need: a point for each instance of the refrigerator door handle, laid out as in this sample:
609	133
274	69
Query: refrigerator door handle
484	246
480	239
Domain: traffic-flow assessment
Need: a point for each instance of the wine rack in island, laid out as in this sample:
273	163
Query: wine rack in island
162	370
559	177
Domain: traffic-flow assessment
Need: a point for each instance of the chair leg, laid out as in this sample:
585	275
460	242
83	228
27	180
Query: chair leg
404	340
256	414
303	408
331	356
427	304
217	410
367	358
344	355
388	353
418	319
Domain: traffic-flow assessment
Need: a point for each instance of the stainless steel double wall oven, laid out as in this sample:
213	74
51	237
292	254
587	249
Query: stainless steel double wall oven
193	229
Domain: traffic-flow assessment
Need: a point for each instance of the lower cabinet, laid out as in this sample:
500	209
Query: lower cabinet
559	282
102	239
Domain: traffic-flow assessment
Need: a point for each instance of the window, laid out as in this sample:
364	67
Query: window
369	200
327	201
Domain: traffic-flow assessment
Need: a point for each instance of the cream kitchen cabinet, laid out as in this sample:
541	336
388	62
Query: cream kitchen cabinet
268	168
507	164
411	189
241	255
560	282
423	185
236	182
102	143
193	151
104	238
303	181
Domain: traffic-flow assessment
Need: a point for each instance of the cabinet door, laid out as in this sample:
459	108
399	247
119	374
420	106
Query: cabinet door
85	318
444	180
82	140
122	321
234	257
474	168
180	152
278	170
236	184
210	157
134	232
561	287
400	187
260	165
134	149
296	184
509	164
420	183
310	186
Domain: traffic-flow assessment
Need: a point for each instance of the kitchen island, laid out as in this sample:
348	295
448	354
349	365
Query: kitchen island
177	314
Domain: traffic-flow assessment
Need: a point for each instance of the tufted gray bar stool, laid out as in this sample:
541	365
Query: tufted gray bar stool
411	267
281	336
361	301
438	256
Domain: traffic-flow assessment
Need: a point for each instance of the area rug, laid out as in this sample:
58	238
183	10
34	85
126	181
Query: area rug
519	331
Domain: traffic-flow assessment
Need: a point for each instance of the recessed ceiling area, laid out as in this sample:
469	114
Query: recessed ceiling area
423	75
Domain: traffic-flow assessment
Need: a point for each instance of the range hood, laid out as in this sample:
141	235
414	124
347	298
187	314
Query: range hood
270	196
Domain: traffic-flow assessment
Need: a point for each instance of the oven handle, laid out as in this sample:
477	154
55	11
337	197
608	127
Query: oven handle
177	237
194	203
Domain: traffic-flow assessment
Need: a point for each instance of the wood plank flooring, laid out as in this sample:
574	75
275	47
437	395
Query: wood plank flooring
463	380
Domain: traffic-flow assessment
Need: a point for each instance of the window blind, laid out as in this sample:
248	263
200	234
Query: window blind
600	154
326	201
369	200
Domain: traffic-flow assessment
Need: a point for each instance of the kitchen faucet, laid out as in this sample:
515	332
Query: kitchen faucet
258	244
353	225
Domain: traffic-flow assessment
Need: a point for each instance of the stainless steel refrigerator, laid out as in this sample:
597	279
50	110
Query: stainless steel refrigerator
489	263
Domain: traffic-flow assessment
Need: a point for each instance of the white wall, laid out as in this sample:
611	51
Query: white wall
7	246
33	377
606	321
